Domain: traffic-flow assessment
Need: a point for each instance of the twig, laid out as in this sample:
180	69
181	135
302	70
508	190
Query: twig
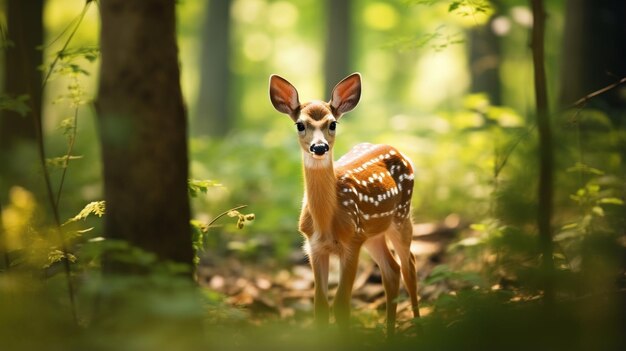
579	105
78	21
3	242
225	213
507	154
584	100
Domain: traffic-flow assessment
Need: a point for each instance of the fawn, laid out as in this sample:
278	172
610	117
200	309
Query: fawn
362	199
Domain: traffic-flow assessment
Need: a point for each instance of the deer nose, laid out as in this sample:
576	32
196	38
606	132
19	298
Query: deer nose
319	149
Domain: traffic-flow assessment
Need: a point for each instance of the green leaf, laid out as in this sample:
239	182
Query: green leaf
568	234
569	226
480	227
95	207
598	211
612	201
454	6
61	161
56	256
581	167
17	104
195	186
444	272
90	53
67	125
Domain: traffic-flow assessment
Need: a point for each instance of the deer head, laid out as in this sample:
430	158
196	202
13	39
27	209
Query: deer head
316	121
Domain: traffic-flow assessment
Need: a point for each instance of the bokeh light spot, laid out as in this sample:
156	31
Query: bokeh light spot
380	15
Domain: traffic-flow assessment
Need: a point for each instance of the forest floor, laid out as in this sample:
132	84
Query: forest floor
265	293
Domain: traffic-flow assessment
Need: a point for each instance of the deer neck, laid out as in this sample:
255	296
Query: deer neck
321	190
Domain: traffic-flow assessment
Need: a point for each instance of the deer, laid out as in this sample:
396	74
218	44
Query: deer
361	200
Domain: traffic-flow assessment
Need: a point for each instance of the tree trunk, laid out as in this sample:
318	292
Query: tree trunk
594	52
212	116
21	69
546	157
484	61
18	134
143	129
337	59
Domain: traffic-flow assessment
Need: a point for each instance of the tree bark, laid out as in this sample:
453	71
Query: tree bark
484	61
21	69
337	59
213	114
594	52
546	177
143	129
21	77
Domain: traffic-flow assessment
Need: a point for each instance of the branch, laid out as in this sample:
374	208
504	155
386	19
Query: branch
585	99
225	213
3	242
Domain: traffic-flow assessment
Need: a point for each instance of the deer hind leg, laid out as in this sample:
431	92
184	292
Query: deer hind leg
390	270
401	237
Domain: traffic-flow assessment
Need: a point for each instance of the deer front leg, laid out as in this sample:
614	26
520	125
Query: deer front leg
349	262
319	263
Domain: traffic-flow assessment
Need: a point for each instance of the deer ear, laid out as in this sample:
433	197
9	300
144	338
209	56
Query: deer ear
284	96
346	94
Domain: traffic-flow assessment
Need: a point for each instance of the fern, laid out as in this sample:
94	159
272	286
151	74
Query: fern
96	207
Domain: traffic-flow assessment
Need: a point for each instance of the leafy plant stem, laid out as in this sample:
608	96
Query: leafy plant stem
55	211
3	242
225	213
70	148
81	16
46	173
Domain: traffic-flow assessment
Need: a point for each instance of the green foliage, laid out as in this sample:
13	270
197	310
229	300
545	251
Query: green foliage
200	231
443	273
61	161
89	53
17	104
474	161
438	40
96	208
195	186
462	7
469	7
57	255
270	184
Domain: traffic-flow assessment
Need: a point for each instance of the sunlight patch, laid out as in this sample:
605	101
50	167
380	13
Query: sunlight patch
380	16
283	15
257	47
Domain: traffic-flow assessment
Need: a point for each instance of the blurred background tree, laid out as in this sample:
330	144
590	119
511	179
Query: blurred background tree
589	63
213	117
22	38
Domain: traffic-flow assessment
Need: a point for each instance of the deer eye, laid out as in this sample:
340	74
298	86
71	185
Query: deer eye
332	126
300	126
